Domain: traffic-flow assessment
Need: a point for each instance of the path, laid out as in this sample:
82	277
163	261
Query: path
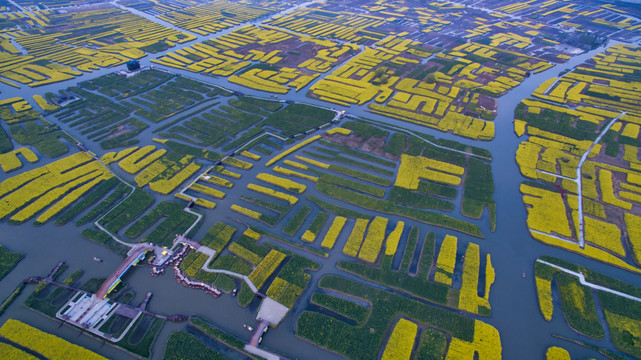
20	8
232	274
411	133
579	182
582	280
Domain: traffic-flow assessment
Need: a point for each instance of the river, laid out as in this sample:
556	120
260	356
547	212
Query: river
513	298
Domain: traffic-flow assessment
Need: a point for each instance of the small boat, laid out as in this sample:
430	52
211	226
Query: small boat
233	292
523	274
249	328
97	259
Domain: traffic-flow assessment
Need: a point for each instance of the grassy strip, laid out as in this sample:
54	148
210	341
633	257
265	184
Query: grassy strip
291	243
354	185
318	223
218	237
295	223
344	307
106	240
338	336
88	200
9	300
337	210
245	295
281	209
416	199
390	207
622	315
365	130
434	189
127	210
297	118
174	221
360	175
478	191
142	347
8	260
114	197
417	285
182	345
334	156
577	304
5	143
359	154
433	345
193	151
396	144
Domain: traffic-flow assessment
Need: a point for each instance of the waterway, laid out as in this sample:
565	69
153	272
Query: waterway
513	298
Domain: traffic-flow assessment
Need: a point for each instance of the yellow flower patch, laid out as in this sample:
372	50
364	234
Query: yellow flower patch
296	164
277	194
283	183
46	344
607	191
276	288
252	234
391	244
401	341
217	181
414	168
557	353
250	155
519	127
546	211
237	163
320	164
288	172
165	186
338	130
487	343
45	185
544	294
468	297
113	156
10	161
355	238
140	159
633	225
446	260
207	190
251	213
603	234
333	232
69	198
44	105
374	240
308	236
292	149
266	267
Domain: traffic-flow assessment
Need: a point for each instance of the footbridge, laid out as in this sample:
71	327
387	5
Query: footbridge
135	255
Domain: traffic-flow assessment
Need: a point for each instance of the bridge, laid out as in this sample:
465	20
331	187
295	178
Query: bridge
135	255
262	326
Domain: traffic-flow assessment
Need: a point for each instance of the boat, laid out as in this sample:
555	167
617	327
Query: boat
249	328
97	259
